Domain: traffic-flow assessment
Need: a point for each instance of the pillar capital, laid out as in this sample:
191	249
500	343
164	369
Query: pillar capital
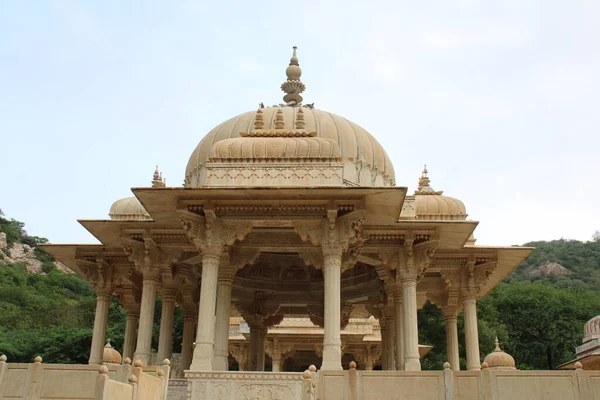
209	233
169	294
367	357
415	258
147	256
450	312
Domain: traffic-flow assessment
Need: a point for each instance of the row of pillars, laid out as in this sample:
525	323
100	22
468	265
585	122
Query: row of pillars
138	327
399	329
212	325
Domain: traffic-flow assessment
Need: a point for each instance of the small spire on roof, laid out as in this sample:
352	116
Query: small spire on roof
279	124
258	120
292	87
108	345
157	179
424	182
300	119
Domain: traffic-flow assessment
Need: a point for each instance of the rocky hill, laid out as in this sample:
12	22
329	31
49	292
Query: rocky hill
22	253
549	268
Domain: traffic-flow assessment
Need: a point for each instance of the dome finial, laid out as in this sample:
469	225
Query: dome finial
294	59
424	182
292	87
497	343
157	179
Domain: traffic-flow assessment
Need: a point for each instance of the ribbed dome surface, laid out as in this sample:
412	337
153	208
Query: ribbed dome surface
438	207
499	359
592	329
365	161
431	205
128	208
110	355
277	147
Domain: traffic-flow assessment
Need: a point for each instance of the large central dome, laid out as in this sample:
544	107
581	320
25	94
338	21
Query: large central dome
365	162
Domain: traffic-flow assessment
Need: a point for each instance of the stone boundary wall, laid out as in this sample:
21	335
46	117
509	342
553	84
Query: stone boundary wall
487	384
39	381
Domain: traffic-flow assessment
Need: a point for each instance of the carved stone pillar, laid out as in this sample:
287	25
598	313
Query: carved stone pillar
131	324
256	351
262	337
384	344
221	362
471	334
278	352
240	353
189	304
450	318
399	319
332	352
132	307
204	350
276	361
189	326
165	338
412	360
100	322
144	339
390	323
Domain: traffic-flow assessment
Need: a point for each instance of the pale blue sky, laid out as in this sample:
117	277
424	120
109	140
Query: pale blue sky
500	99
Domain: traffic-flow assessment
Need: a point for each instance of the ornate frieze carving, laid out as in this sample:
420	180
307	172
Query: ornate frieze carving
288	211
273	172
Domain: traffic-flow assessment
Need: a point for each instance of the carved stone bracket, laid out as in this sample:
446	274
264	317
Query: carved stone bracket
238	258
130	299
147	256
209	233
476	275
367	357
312	256
258	311
415	258
240	353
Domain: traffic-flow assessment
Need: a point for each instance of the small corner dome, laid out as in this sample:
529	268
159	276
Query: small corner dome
110	355
128	208
592	329
499	359
432	205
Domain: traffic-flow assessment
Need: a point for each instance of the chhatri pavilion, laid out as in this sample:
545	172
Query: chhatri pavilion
288	242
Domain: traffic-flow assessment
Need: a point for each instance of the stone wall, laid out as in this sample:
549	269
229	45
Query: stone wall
39	381
489	384
460	385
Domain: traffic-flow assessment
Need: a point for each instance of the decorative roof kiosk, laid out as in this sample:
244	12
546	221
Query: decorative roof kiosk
287	212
